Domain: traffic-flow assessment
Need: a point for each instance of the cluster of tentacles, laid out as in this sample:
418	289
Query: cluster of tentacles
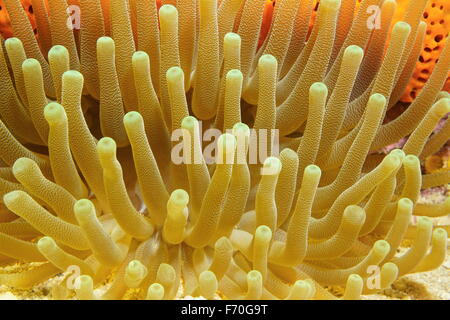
87	179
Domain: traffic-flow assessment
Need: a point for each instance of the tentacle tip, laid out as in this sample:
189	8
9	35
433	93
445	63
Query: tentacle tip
405	203
155	292
140	58
254	276
57	50
440	234
189	122
107	146
272	166
268	59
232	38
73	75
313	170
354	52
355	214
23	165
168	11
377	100
105	43
382	246
442	107
10	43
46	243
402	26
241	128
132	118
424	223
31	65
175	75
263	233
13	197
83	207
54	113
234	74
318	88
180	197
411	160
227	144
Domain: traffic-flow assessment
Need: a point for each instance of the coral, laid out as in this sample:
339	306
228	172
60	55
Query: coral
106	171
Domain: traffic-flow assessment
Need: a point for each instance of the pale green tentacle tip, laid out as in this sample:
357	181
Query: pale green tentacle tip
254	276
411	160
140	61
401	26
240	128
354	287
399	153
83	208
105	43
272	166
22	165
134	274
441	107
224	243
354	278
234	74
107	147
73	75
189	122
391	162
424	223
168	11
12	197
175	74
439	234
57	51
382	247
267	59
140	55
155	292
263	233
390	267
207	276
355	214
318	89
85	280
354	52
226	144
406	203
232	38
132	118
54	113
31	65
302	289
377	100
12	43
208	284
46	244
313	171
179	198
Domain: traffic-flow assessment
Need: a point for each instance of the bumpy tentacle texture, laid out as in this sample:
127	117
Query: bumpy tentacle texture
296	195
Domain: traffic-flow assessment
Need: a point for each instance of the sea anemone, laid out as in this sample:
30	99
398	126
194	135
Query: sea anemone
94	121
